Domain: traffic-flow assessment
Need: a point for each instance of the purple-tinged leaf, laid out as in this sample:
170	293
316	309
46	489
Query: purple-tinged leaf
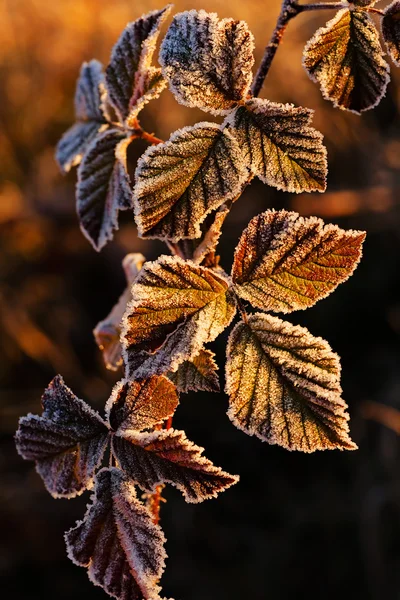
141	404
198	374
89	116
280	146
131	60
118	542
284	386
285	262
108	332
346	59
67	442
182	180
103	187
149	86
167	456
208	62
391	31
177	308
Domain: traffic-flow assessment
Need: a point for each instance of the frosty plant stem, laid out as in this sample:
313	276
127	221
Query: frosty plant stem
282	381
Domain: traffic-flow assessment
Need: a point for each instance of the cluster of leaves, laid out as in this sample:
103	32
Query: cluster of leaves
283	383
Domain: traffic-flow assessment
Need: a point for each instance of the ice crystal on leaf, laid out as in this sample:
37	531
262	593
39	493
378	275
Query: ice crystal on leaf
391	30
130	76
118	542
279	145
208	61
346	58
167	456
107	333
177	308
89	116
67	442
198	374
284	386
285	262
179	182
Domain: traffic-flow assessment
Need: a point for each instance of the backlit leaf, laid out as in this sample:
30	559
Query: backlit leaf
167	456
285	262
198	374
207	246
141	404
208	61
107	333
89	116
67	442
280	146
284	386
391	30
131	59
149	86
346	58
180	181
118	542
177	308
103	187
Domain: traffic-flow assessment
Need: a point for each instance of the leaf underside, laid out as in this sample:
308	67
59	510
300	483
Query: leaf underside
346	58
279	145
67	442
391	31
117	541
284	387
180	181
285	262
177	308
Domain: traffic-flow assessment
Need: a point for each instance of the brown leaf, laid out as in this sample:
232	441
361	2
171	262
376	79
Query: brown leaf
118	542
198	374
284	386
67	442
167	456
177	308
391	30
285	262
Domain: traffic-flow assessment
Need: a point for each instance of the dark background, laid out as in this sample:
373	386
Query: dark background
319	526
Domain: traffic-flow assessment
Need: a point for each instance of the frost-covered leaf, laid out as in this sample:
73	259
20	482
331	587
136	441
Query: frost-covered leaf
131	60
107	333
208	62
391	30
207	246
177	308
346	58
167	456
284	386
118	542
285	262
198	374
89	116
180	181
141	404
103	187
149	86
279	145
67	442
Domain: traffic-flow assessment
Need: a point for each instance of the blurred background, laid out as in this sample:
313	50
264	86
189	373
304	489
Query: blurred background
325	525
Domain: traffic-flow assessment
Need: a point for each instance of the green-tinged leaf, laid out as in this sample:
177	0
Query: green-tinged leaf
131	59
89	116
391	31
284	386
103	187
107	332
346	58
141	404
198	374
167	456
285	262
208	62
179	182
279	145
118	542
177	308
